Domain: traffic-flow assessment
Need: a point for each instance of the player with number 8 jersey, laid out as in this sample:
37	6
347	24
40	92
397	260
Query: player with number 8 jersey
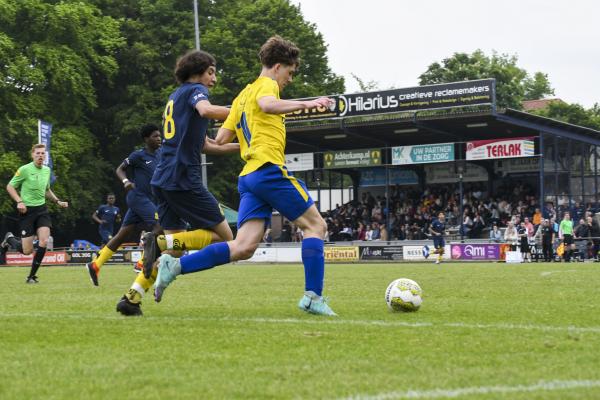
177	186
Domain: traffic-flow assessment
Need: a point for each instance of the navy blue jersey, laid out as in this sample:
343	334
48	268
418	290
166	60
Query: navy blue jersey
109	214
141	165
438	226
184	132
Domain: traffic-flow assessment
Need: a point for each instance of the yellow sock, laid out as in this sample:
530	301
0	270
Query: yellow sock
140	286
103	256
192	240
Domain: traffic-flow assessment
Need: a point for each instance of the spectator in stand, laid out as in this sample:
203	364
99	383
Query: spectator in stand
369	233
495	234
537	217
383	232
595	235
467	224
361	231
478	225
286	233
376	232
524	242
582	232
511	236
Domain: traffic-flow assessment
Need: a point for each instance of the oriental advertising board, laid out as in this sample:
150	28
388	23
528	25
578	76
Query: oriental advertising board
500	148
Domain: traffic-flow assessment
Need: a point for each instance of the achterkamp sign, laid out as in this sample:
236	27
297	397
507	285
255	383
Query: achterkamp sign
352	158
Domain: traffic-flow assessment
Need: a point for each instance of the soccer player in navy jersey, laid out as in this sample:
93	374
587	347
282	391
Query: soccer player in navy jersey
437	229
257	120
141	215
177	186
106	215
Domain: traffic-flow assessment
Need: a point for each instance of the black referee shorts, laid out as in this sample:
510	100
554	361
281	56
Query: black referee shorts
35	217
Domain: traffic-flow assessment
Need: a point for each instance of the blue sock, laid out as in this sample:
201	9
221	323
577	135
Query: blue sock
313	259
210	256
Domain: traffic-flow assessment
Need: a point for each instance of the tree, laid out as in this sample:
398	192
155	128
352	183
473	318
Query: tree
53	55
513	84
572	113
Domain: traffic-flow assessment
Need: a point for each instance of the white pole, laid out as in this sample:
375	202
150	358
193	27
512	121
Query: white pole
197	32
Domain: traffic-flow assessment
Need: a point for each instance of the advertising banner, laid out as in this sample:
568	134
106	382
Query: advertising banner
428	153
352	158
50	258
44	137
455	94
380	253
444	95
376	177
300	161
415	253
341	253
445	173
475	251
500	148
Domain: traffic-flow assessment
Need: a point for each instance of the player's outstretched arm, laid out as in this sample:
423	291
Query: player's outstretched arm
273	105
211	111
212	147
224	135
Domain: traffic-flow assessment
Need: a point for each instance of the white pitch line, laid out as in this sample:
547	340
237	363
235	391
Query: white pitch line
318	321
458	392
548	273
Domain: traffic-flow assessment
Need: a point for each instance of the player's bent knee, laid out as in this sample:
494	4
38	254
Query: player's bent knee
245	251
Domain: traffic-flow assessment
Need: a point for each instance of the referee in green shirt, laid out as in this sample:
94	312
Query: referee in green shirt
29	188
565	232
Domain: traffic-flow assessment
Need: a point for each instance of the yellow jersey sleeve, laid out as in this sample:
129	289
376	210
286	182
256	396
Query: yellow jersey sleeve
231	118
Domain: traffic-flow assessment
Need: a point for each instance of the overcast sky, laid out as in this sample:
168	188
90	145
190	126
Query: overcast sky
393	41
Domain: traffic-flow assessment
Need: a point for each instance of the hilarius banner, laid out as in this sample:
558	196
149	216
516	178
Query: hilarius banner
444	95
352	158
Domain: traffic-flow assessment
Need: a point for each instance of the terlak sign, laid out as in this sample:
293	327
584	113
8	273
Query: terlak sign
500	148
475	251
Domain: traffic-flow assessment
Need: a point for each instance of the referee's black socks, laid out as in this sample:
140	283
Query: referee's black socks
37	261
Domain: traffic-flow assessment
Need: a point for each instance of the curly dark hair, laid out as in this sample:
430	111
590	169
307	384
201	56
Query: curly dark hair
278	50
194	62
146	130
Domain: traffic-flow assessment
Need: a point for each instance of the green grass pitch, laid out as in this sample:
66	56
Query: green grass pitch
485	330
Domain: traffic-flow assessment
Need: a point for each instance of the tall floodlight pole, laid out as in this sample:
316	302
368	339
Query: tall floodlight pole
197	31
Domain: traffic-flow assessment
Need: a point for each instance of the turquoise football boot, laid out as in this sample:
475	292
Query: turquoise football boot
314	304
168	269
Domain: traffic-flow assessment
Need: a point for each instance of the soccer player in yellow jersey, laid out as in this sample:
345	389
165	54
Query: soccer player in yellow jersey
257	119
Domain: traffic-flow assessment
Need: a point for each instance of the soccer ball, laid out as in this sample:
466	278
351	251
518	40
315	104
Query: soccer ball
403	295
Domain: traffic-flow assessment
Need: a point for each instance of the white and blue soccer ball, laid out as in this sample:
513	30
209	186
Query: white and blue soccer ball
404	295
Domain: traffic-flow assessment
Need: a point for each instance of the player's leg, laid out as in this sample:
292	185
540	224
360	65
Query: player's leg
107	251
290	197
43	233
252	214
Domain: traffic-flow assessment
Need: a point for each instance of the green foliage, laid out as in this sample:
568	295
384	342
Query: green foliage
54	55
513	84
572	113
100	69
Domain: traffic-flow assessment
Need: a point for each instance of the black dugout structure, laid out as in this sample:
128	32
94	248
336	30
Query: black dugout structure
455	123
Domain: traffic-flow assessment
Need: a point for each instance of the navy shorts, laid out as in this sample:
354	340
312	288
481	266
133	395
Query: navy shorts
141	211
106	235
178	208
271	187
439	242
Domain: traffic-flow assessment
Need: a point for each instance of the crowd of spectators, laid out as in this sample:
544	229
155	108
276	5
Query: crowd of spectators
485	215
